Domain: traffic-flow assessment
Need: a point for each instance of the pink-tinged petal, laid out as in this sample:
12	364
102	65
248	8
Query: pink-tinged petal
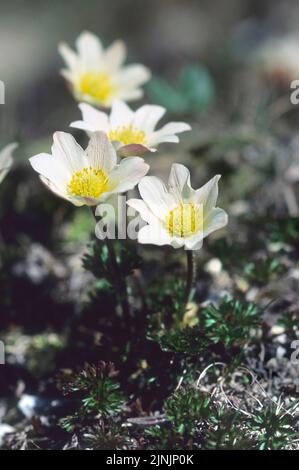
132	150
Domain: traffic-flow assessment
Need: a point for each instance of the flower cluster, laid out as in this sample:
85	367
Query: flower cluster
176	214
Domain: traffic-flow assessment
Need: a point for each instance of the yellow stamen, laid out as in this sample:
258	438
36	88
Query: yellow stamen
128	135
184	220
88	183
98	85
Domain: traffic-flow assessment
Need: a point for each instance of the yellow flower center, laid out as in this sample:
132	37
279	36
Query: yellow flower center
184	220
98	85
128	135
88	183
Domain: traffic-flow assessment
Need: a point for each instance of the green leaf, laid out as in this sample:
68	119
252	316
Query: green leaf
197	87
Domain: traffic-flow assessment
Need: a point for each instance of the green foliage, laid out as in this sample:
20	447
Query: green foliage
274	426
290	321
97	390
285	231
194	91
186	408
264	270
99	261
218	329
167	303
196	420
81	226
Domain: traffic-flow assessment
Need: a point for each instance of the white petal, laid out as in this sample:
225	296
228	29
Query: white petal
83	126
156	139
207	195
6	156
195	242
58	191
90	50
68	152
93	119
69	56
155	194
215	220
121	114
147	117
175	128
115	56
144	211
168	133
154	234
6	161
51	169
133	76
127	174
130	95
179	182
101	153
177	242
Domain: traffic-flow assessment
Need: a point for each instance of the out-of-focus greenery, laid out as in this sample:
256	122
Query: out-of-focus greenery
194	91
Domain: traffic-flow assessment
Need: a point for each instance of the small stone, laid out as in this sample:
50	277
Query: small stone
214	266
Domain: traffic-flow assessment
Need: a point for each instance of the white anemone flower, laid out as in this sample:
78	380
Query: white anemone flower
178	215
132	132
6	160
278	59
98	76
87	177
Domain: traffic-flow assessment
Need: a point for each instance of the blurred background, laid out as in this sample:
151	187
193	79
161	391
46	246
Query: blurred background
165	35
224	67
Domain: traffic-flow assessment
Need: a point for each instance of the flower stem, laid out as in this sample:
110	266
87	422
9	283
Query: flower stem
191	275
120	281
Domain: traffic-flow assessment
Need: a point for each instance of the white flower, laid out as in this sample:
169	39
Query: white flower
278	59
87	177
178	215
132	132
6	160
98	76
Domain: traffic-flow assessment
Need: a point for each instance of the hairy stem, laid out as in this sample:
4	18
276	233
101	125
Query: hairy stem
191	275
